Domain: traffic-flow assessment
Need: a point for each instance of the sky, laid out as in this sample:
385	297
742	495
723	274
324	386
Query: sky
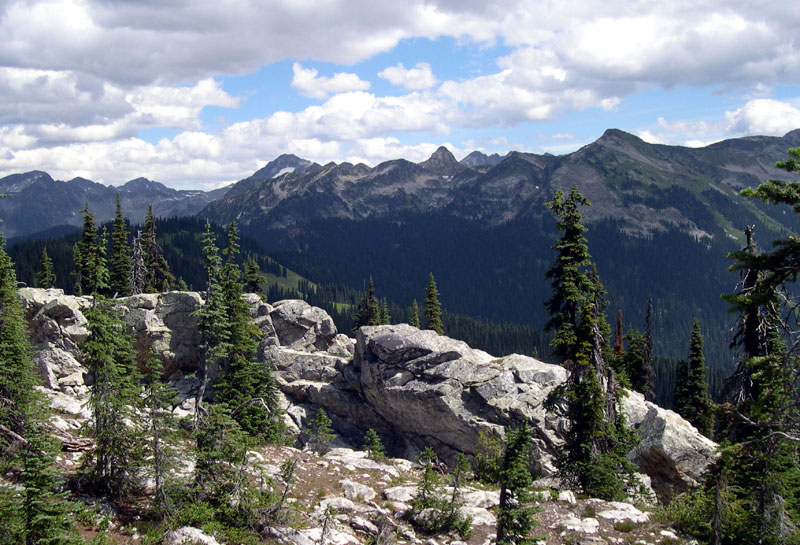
199	93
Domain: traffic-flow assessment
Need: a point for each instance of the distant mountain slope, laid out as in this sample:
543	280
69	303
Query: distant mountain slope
37	203
661	221
647	187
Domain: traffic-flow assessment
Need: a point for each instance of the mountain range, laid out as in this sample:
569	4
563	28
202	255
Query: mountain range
647	187
661	221
35	202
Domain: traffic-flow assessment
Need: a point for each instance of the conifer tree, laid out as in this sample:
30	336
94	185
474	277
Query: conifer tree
212	320
618	335
138	272
252	278
33	512
48	515
433	310
161	431
85	255
45	277
368	310
386	319
755	480
247	387
597	442
157	274
113	400
320	432
373	445
18	378
221	479
120	254
373	305
102	277
414	314
648	343
433	509
639	373
691	390
567	274
515	516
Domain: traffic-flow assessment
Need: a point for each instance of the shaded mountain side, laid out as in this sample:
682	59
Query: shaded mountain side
498	274
643	186
36	202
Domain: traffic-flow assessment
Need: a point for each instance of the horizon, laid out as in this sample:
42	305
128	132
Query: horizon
458	158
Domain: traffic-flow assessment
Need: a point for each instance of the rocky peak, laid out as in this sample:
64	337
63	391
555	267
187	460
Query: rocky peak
478	159
442	162
17	182
281	165
793	137
143	186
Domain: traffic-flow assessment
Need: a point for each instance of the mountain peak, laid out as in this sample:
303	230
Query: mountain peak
793	136
442	162
282	164
477	159
143	184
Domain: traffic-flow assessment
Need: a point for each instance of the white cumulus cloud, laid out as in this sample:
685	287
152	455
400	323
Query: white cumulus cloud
413	79
309	84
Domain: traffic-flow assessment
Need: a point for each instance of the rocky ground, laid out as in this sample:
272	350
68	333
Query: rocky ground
369	499
414	387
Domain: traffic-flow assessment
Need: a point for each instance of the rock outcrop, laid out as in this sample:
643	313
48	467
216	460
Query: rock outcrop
416	388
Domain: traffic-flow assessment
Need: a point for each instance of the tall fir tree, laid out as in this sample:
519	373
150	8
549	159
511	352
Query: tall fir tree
373	305
252	278
157	274
247	387
386	318
433	310
691	387
753	486
45	277
114	401
34	511
618	346
212	320
567	274
594	460
85	255
368	309
18	378
648	346
161	431
639	373
120	254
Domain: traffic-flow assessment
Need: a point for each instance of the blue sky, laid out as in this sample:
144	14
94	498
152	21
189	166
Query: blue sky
197	94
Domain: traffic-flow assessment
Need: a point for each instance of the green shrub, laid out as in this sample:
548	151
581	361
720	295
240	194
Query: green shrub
625	526
488	458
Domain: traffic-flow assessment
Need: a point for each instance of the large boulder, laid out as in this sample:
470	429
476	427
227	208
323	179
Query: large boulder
421	389
57	326
671	451
167	324
437	391
300	326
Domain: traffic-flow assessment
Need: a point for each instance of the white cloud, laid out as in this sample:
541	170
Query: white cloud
764	116
79	79
413	79
309	84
